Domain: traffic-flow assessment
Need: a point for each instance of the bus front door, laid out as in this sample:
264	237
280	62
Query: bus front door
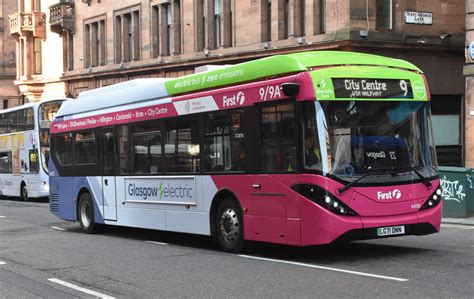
108	177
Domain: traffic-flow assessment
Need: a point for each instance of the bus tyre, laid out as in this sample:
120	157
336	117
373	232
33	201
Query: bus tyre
23	192
86	214
229	226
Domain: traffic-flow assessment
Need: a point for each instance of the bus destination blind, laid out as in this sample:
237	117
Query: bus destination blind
345	88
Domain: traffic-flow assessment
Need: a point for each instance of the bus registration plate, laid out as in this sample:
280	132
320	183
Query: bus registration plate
391	230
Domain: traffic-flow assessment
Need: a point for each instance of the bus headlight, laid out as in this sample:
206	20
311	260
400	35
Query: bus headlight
433	200
324	199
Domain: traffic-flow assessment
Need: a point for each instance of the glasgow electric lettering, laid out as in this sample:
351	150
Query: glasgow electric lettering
177	191
372	88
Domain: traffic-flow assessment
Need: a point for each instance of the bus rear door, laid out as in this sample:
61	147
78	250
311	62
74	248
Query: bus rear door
107	137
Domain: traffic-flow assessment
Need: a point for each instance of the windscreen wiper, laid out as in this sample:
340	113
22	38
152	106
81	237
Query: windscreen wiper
344	189
424	179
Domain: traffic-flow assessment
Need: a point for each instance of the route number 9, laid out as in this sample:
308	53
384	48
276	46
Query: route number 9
404	87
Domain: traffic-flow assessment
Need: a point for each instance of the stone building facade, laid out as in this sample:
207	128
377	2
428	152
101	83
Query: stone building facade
9	95
469	73
38	51
106	42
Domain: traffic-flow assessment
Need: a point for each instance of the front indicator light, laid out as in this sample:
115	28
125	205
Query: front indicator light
324	199
433	200
327	199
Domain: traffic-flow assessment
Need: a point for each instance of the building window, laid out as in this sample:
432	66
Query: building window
228	23
266	20
217	23
286	18
200	25
70	51
166	29
155	26
298	17
447	128
38	55
94	43
127	35
322	16
384	14
5	104
169	29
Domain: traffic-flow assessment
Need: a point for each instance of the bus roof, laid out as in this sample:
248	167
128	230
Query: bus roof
270	67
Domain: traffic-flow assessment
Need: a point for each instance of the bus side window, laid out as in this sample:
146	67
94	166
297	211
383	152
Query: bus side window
6	162
3	124
224	142
30	119
34	163
182	149
12	122
147	153
278	139
124	156
63	148
85	148
21	119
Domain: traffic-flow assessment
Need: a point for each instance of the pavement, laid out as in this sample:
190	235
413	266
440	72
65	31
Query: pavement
460	221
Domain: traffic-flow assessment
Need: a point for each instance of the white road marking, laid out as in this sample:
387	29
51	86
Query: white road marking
58	228
3	216
324	268
2	263
460	226
153	242
80	289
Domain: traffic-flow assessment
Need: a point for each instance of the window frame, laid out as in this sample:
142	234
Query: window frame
390	15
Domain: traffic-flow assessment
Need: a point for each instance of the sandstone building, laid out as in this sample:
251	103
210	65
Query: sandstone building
9	96
38	51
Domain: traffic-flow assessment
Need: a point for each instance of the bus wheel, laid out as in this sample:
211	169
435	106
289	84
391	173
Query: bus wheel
229	226
86	214
23	192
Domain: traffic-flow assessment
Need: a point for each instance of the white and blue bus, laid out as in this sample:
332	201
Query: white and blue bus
24	149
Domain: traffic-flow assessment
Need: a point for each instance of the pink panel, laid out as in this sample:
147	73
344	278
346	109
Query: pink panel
270	229
432	216
293	232
319	226
389	220
248	227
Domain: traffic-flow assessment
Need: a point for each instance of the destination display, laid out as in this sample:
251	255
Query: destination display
345	88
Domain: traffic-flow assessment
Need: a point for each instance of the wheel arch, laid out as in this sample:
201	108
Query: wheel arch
218	197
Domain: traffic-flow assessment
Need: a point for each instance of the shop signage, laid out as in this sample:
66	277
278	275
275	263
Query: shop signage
418	17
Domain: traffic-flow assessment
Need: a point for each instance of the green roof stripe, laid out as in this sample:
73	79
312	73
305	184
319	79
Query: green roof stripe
327	58
276	66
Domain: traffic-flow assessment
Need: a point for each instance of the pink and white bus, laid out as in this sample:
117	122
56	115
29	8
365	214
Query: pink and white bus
300	149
